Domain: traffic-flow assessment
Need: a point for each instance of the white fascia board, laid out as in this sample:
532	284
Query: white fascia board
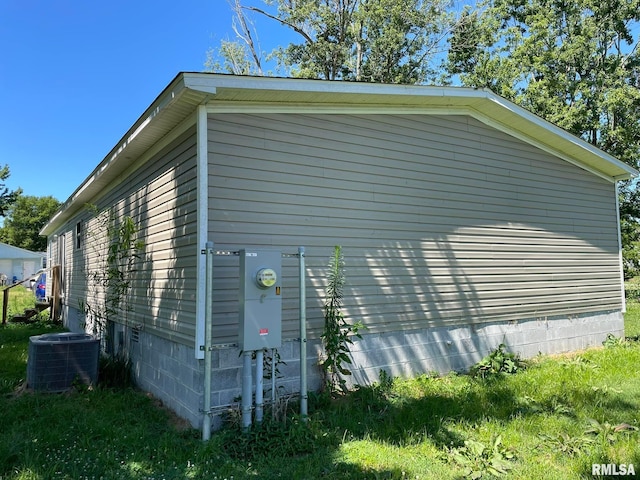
209	83
205	83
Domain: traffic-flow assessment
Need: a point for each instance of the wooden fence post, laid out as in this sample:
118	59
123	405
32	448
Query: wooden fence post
5	305
55	292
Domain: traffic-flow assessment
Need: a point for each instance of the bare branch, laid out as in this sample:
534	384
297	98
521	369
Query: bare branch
243	32
297	29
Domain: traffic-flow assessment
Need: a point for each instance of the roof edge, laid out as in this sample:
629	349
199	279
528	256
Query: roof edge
209	86
170	95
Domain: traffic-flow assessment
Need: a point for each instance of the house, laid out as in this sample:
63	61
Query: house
465	221
18	264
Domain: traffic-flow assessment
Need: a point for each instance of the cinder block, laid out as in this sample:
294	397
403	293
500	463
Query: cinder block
290	349
229	396
227	378
291	369
229	357
196	379
173	367
373	358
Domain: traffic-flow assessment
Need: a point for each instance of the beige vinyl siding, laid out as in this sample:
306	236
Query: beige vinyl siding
161	199
443	220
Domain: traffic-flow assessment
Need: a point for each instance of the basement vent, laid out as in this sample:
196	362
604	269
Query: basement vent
135	335
57	360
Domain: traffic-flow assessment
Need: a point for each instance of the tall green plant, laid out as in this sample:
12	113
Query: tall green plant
338	334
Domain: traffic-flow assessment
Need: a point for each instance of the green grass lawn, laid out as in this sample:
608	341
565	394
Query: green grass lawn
632	320
552	420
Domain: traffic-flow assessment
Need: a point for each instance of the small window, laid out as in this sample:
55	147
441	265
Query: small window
78	235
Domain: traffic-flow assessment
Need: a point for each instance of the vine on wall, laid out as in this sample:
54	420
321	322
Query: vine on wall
116	248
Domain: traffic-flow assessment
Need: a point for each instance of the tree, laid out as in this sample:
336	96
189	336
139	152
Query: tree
390	41
239	57
630	231
573	62
7	198
25	219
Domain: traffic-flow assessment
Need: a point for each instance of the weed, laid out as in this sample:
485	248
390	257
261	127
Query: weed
337	334
556	404
608	433
479	460
271	438
497	362
117	249
374	398
612	341
384	387
271	361
566	444
115	372
580	362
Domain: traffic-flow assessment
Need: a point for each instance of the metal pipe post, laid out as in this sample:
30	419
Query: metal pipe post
303	335
206	421
247	395
259	385
273	379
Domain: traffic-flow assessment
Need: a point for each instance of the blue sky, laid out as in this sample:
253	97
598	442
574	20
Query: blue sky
76	74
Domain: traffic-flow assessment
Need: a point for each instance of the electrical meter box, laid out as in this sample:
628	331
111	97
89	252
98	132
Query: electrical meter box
260	299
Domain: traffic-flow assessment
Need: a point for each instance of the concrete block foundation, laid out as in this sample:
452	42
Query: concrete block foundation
172	374
457	348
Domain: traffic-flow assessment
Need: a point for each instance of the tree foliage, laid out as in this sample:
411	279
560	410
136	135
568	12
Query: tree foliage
389	41
7	197
573	62
24	220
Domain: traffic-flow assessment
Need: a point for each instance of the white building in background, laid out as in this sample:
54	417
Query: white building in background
18	264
